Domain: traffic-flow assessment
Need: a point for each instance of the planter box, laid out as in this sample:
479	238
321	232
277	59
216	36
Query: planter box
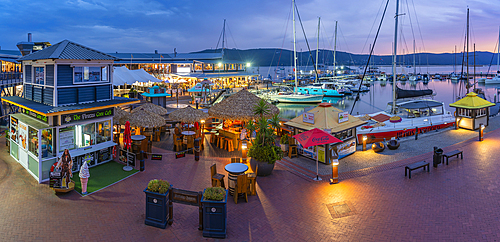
265	169
214	217
284	147
157	208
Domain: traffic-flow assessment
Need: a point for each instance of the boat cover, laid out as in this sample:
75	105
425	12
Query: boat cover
402	93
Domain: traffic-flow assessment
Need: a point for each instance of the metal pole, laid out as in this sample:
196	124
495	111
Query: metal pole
394	59
467	40
294	48
317	50
335	52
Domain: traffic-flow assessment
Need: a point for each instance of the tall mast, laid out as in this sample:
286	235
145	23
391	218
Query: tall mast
335	52
394	59
474	67
317	50
455	63
498	50
294	49
223	37
467	40
414	66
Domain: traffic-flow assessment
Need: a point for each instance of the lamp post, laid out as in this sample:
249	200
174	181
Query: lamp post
244	151
335	172
481	129
364	142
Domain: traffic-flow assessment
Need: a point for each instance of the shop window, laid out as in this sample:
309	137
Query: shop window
104	131
40	75
48	143
104	72
13	129
85	135
67	138
33	141
88	74
346	134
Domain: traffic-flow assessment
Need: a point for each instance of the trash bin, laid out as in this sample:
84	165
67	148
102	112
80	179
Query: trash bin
437	157
197	149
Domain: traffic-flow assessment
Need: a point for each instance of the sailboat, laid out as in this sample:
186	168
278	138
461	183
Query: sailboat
296	97
495	79
407	116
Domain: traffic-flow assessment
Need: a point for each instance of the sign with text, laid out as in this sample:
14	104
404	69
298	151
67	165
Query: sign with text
308	118
156	157
129	155
76	117
37	116
343	117
180	154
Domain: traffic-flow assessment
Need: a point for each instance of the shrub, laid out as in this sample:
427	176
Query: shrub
214	193
158	186
284	139
269	154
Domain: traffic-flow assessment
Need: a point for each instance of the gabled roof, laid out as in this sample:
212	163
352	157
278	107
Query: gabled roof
68	50
471	101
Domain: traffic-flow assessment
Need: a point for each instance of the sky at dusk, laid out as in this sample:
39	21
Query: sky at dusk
194	25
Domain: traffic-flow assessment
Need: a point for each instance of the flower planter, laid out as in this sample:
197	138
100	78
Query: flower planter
265	169
157	208
214	217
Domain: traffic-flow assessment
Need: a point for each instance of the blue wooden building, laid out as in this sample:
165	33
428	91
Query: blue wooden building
67	103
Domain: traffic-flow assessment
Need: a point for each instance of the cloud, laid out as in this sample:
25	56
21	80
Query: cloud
81	4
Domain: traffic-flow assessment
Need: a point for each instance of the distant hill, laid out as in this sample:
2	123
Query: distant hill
283	57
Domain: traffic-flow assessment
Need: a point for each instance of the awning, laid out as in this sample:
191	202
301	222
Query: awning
86	150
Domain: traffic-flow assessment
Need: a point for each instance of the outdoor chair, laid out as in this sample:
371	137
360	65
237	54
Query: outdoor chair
252	180
378	147
217	179
292	150
393	144
241	187
235	160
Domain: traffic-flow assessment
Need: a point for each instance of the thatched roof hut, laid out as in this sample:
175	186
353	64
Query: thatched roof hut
143	118
119	114
150	107
188	115
239	106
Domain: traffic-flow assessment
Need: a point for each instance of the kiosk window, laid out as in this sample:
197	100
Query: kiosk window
103	131
48	143
33	141
85	135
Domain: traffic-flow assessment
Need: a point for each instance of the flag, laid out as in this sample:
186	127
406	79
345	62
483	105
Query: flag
161	56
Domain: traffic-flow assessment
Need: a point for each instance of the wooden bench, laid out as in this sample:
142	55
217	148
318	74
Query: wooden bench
453	153
414	166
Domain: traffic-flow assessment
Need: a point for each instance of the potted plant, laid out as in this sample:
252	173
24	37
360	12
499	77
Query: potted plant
157	203
264	151
214	203
7	138
284	142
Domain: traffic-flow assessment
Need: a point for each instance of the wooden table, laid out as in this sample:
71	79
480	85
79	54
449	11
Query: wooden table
234	169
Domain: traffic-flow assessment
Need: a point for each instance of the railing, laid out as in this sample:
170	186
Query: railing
10	78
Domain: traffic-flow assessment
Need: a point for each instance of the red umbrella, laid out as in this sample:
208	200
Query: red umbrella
127	140
315	137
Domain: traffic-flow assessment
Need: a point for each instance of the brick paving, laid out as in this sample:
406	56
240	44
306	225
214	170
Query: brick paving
457	202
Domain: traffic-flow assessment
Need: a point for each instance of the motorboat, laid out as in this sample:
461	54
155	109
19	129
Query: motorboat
328	89
286	97
493	80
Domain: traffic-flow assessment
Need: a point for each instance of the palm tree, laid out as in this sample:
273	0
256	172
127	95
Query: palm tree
261	108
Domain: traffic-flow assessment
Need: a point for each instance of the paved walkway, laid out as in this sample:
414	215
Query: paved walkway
457	202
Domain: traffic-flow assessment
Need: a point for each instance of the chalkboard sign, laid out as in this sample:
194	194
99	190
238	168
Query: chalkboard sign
104	155
156	157
180	154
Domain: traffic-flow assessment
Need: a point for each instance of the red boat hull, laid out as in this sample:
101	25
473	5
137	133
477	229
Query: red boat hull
380	136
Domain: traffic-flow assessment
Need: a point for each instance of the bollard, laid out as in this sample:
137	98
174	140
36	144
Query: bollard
142	160
416	133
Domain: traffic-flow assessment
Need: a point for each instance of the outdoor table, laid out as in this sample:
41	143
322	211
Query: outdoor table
186	134
234	169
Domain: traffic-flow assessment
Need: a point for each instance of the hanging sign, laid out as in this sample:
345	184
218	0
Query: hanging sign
37	116
156	157
343	117
180	154
76	117
308	118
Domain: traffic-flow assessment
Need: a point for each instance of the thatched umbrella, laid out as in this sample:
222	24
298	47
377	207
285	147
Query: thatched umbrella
119	114
188	115
239	106
145	119
150	107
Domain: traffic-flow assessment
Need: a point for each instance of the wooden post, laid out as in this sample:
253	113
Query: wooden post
200	226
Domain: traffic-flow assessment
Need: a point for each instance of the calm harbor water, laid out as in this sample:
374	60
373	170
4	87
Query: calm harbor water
379	95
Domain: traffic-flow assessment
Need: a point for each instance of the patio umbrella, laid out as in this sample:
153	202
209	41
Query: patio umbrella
150	107
239	106
127	142
188	115
142	118
315	137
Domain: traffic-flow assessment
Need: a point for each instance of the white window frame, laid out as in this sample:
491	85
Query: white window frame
93	82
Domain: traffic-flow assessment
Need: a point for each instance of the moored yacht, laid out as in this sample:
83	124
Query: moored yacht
328	89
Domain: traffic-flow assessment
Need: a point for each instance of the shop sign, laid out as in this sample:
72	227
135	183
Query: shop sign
13	129
180	154
23	136
343	117
130	157
36	115
77	117
347	147
308	118
156	157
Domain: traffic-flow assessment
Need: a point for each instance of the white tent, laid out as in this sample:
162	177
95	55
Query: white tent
143	75
122	75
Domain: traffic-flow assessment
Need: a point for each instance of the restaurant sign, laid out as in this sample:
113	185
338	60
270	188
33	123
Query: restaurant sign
37	116
343	117
308	118
77	117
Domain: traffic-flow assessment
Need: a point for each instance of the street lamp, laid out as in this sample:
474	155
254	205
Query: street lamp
481	131
364	142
